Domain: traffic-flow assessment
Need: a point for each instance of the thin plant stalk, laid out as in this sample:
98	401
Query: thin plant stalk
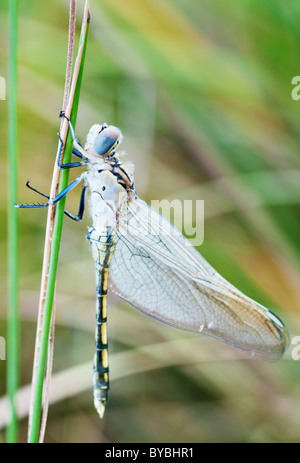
48	240
71	112
13	270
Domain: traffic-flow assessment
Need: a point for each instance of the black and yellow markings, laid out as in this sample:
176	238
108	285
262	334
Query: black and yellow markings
105	248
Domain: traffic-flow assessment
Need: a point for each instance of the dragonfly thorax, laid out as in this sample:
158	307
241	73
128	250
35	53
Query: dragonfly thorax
106	199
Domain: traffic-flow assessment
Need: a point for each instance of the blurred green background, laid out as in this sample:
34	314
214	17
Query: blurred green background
202	92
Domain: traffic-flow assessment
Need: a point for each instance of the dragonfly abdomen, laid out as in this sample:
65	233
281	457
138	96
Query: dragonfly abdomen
102	248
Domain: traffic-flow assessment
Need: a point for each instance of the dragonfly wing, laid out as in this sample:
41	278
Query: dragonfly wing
158	271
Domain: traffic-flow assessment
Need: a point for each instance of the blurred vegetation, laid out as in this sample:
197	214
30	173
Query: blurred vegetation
202	93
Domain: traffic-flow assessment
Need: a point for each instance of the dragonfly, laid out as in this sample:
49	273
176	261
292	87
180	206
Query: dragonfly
145	260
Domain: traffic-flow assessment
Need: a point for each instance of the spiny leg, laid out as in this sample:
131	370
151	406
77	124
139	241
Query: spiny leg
69	165
78	150
37	191
62	194
81	203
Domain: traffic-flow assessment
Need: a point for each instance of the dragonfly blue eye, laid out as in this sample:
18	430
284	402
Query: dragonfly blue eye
106	140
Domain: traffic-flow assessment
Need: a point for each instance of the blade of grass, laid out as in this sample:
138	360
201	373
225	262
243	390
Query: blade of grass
49	234
71	112
13	303
71	35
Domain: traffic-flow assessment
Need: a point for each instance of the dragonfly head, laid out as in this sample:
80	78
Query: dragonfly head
103	139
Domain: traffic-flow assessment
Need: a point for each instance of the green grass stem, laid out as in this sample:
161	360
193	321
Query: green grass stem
36	414
13	271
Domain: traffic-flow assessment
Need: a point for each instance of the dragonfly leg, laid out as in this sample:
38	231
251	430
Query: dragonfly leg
81	203
81	206
69	165
37	191
60	195
78	149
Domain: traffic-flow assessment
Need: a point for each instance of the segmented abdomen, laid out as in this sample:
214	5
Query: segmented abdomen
102	248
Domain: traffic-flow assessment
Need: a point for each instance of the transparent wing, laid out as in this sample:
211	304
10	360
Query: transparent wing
158	271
